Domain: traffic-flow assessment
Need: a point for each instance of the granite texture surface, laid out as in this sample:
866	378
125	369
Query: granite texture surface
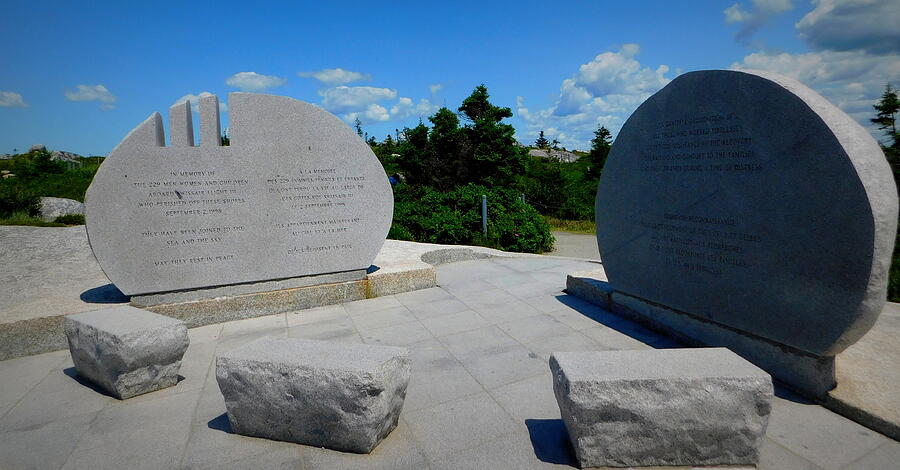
672	407
809	374
53	207
320	393
747	199
125	350
296	193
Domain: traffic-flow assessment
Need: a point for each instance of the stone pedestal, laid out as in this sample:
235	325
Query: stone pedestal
667	407
341	396
125	350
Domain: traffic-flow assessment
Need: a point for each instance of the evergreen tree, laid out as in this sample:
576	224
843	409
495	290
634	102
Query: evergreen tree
541	141
600	147
358	125
493	158
448	149
483	151
414	151
885	118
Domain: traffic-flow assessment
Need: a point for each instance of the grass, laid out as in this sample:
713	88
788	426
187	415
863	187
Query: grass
575	226
22	218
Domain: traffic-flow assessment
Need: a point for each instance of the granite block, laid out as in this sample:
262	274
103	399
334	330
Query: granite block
670	407
125	350
341	396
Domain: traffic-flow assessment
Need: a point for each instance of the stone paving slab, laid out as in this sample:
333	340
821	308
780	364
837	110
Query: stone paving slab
869	376
51	272
460	412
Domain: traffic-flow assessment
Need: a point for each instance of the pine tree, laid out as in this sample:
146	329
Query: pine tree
541	141
885	118
358	125
600	147
492	156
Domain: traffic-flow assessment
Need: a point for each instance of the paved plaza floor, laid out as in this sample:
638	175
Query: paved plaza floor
480	396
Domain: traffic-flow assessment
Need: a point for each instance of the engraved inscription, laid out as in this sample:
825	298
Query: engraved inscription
310	189
697	243
712	143
200	200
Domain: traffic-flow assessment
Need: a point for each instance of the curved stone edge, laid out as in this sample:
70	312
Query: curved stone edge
245	110
877	180
876	177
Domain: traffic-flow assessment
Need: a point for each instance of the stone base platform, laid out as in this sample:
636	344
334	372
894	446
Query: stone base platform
866	375
50	272
205	311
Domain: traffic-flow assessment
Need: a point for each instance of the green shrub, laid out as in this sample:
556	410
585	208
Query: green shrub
17	198
426	215
70	219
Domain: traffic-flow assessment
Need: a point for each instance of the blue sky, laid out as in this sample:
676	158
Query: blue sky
79	76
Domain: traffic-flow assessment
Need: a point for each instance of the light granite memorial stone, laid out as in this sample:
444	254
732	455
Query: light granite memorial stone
662	407
125	350
296	193
341	396
745	200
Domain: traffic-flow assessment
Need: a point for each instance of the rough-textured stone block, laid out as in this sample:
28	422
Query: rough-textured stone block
125	350
342	396
53	207
662	407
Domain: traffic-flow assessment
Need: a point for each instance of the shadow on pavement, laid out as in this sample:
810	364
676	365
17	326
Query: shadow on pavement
107	294
71	372
617	323
220	423
551	441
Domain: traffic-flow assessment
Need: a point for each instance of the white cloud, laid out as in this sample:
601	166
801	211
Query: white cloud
754	18
871	25
195	101
857	52
435	88
93	93
604	91
337	76
851	80
9	99
252	81
349	99
405	108
365	103
376	112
